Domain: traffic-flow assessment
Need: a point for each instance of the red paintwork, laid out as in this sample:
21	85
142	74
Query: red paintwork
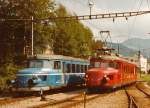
123	75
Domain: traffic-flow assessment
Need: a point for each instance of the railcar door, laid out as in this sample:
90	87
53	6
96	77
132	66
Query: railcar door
58	73
64	71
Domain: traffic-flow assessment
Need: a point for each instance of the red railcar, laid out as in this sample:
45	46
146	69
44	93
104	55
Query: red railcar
110	71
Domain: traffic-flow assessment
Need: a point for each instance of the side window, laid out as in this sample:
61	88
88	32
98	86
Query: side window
82	68
68	68
85	68
57	65
73	68
117	66
78	68
135	69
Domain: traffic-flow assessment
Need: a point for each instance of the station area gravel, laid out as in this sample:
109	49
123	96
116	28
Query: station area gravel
27	103
117	99
114	99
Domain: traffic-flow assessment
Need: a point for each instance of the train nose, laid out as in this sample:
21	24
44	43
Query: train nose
93	78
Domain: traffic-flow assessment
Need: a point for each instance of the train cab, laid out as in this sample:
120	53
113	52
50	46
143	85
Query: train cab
103	73
47	72
108	70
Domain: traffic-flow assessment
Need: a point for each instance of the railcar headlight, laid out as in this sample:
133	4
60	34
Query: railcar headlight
86	76
13	81
9	82
106	77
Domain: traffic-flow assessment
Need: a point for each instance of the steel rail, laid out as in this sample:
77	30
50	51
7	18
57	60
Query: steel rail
71	101
147	94
52	103
131	100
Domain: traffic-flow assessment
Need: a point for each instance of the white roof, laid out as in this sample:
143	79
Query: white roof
56	57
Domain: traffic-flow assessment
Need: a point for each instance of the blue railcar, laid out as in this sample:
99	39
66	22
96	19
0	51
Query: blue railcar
46	72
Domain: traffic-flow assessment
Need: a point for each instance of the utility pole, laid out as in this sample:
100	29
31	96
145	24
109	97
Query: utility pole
91	3
32	35
118	48
139	56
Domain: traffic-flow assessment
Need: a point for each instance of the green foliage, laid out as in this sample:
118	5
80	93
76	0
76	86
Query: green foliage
71	37
144	77
7	71
64	37
15	35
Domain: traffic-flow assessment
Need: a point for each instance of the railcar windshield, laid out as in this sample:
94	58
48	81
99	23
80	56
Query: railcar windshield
40	64
104	65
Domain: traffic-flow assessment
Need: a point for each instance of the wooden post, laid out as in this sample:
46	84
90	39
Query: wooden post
84	99
41	95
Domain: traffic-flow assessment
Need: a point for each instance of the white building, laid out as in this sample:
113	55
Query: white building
143	64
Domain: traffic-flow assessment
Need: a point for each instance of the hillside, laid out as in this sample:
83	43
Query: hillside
123	50
138	44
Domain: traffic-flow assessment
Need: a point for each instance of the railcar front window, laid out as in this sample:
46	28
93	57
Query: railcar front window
40	64
101	65
36	64
114	65
104	65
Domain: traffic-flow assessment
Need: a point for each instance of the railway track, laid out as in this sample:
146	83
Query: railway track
143	91
131	101
81	98
10	100
34	101
56	102
137	97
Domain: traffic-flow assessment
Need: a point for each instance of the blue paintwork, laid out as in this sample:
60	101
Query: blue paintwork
54	78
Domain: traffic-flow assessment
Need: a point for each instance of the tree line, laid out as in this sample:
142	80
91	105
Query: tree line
69	38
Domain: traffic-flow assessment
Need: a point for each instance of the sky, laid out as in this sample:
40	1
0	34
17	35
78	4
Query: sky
121	29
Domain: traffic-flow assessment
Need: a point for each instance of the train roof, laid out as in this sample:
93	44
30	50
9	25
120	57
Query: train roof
115	57
56	57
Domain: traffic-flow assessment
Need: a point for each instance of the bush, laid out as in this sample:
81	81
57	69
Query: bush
7	72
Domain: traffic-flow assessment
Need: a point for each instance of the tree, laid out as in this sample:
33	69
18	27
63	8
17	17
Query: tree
71	37
16	35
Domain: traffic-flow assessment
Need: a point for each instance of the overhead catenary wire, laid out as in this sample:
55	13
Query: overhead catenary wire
81	17
135	18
